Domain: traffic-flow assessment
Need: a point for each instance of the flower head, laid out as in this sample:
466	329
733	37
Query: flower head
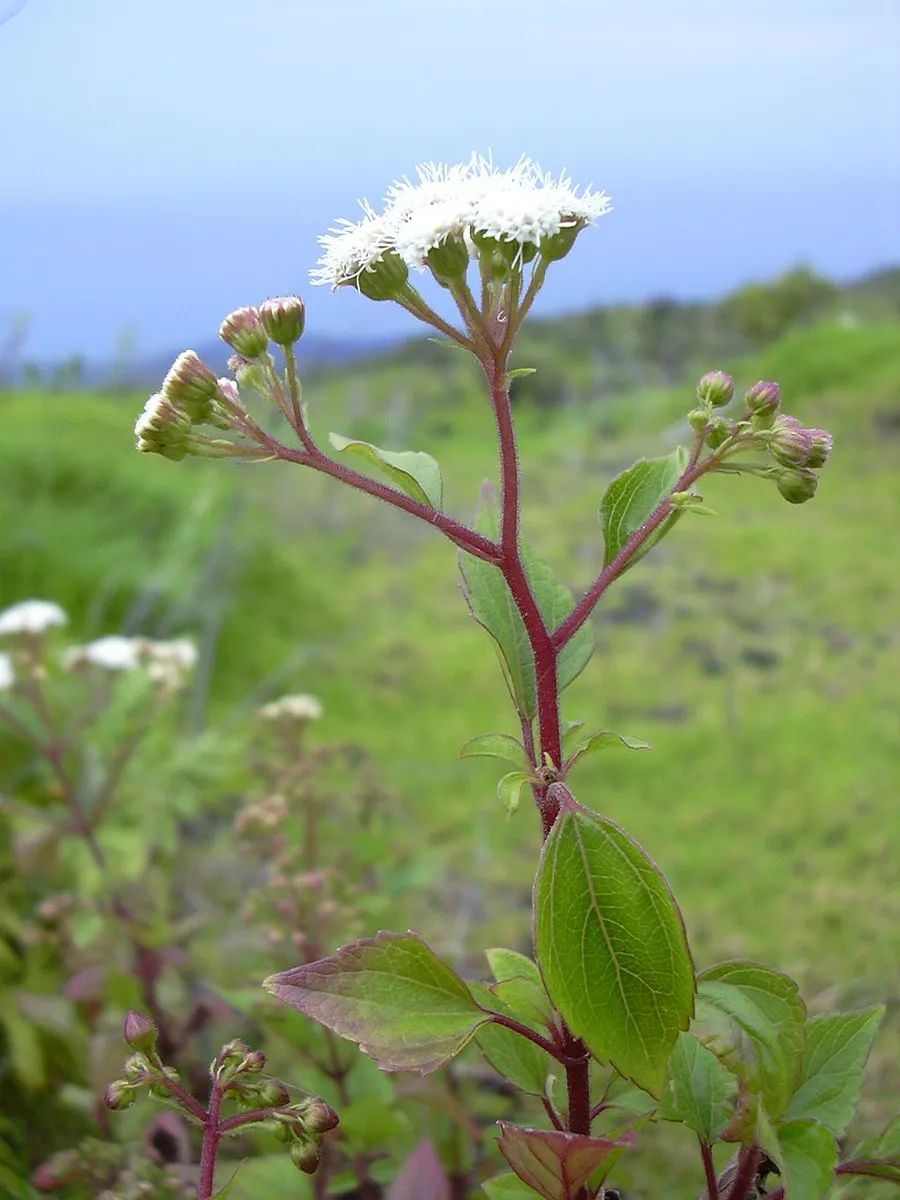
112	653
31	616
299	707
163	428
352	248
191	385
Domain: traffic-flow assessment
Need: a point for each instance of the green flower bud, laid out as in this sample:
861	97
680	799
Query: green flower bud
163	428
250	375
698	419
243	331
821	445
120	1094
797	485
789	442
559	244
719	432
284	319
136	1068
384	279
233	1052
274	1094
139	1032
191	385
305	1156
449	260
253	1062
763	399
317	1116
716	388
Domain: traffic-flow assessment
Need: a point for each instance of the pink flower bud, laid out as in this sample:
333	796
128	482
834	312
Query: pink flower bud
284	319
139	1032
716	388
244	332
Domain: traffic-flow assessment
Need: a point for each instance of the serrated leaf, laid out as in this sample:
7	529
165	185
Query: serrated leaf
633	496
519	985
493	607
611	945
557	1165
519	1060
754	1019
834	1063
507	1187
700	1092
509	790
392	995
605	739
413	471
422	1177
497	745
807	1160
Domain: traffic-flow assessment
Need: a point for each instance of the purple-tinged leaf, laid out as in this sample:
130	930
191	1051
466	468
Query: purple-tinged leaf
555	1163
422	1177
392	995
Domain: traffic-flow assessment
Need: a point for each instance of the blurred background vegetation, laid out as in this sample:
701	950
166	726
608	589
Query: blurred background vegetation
757	651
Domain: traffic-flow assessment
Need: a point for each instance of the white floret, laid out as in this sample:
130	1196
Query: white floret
31	616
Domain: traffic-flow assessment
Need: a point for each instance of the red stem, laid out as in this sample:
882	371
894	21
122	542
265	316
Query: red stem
746	1173
712	1187
462	535
865	1168
212	1132
561	1056
613	570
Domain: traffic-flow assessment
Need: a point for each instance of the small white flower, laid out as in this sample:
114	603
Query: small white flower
351	247
112	653
31	616
7	674
229	390
299	707
526	205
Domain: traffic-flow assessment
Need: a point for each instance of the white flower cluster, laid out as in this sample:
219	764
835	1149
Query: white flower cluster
31	617
522	205
299	707
166	662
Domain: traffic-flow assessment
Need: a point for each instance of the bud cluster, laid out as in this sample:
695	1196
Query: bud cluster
143	1070
796	451
303	1126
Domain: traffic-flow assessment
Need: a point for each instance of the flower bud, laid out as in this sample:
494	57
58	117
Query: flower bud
789	442
797	485
317	1116
763	400
284	319
385	279
449	260
558	244
254	1062
139	1032
698	419
305	1155
119	1094
250	375
715	388
719	432
821	445
274	1094
192	385
136	1068
243	331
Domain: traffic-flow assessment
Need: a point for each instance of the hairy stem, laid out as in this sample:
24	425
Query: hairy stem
748	1160
212	1132
712	1187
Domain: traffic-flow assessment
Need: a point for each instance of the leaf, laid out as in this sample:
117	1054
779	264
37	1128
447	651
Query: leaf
611	945
493	607
507	1187
509	790
422	1177
413	471
837	1048
701	1092
520	986
882	1152
497	745
808	1158
754	1019
392	995
633	496
556	1164
519	1060
520	372
605	739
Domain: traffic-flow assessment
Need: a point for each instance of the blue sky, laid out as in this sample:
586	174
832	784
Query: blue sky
166	160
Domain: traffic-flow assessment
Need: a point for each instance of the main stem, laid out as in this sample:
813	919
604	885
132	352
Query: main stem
212	1132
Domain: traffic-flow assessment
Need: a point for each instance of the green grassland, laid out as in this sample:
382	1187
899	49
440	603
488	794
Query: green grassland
757	650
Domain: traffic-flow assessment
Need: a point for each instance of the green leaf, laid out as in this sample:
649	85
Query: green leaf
700	1091
605	739
834	1063
497	745
882	1153
754	1020
611	944
493	607
633	496
507	1187
413	471
392	995
556	1164
509	790
520	372
519	1060
808	1158
519	985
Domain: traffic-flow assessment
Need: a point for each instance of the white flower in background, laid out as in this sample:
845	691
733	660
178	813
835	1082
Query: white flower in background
31	616
7	674
113	653
169	663
299	707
